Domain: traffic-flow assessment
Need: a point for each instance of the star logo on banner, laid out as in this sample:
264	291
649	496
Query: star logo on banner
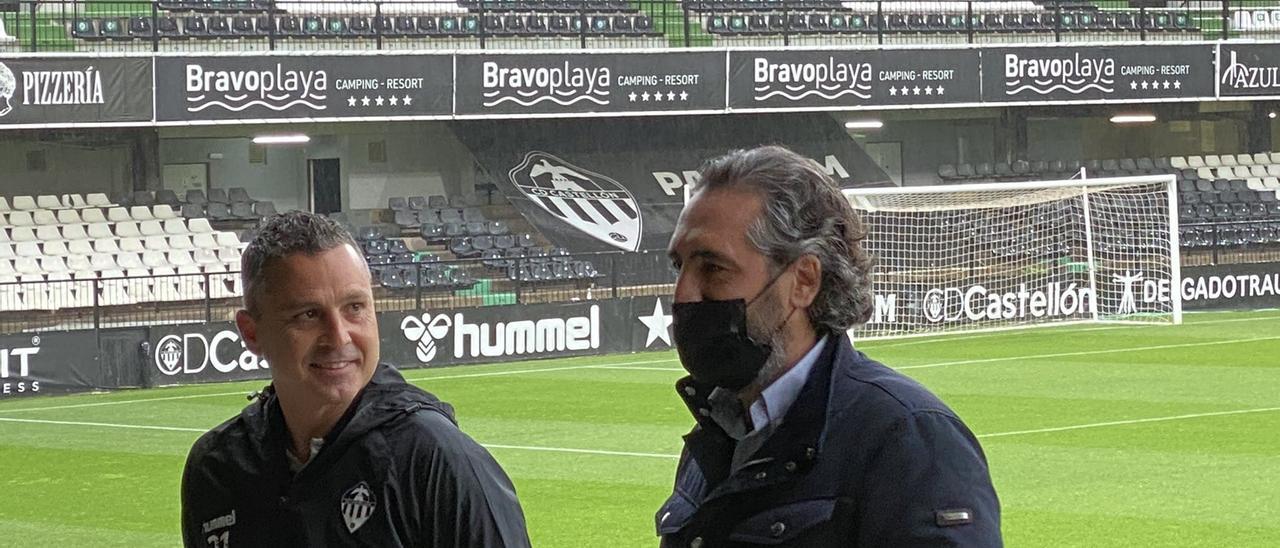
905	90
351	101
364	101
1144	84
684	96
407	100
916	90
632	97
1133	84
939	90
893	90
928	90
657	96
671	96
378	100
644	96
658	323
1177	84
394	100
1166	84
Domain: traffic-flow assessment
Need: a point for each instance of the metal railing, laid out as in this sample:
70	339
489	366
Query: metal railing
120	301
245	25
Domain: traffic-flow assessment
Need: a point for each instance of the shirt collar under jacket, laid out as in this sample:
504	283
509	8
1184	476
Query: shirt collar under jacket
771	405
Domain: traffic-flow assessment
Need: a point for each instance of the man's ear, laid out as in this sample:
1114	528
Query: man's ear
808	271
248	330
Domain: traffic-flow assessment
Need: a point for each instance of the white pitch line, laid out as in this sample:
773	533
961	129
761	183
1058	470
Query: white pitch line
584	451
105	425
245	393
639	368
1131	421
1089	352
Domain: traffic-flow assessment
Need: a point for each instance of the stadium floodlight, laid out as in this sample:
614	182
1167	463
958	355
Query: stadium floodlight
283	139
1133	118
1012	255
863	124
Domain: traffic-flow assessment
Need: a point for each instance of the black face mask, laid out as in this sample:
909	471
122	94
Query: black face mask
711	338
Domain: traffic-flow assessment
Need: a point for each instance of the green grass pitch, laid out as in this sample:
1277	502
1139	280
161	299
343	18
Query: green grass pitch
1098	436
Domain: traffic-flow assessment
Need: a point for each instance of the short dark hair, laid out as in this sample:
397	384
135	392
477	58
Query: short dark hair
284	234
804	213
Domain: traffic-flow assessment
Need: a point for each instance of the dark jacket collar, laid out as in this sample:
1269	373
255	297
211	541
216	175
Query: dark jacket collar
796	440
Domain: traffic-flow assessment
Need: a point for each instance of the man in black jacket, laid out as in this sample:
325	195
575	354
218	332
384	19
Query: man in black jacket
339	450
800	439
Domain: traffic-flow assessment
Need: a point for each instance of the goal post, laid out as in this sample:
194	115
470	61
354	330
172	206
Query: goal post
959	258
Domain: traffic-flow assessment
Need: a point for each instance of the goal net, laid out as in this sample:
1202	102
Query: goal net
1009	255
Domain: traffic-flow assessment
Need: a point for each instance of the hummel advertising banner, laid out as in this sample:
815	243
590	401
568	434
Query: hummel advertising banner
48	363
1097	73
809	79
1248	69
565	83
608	185
73	90
303	86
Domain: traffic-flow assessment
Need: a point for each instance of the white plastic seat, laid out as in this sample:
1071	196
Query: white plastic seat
1261	158
1178	162
99	231
215	267
175	226
74	232
139	284
68	216
132	245
55	248
1195	162
191	284
103	261
200	225
74	201
140	213
128	260
44	217
106	245
1207	173
1255	183
4	204
151	228
127	229
181	242
1273	170
1244	159
48	201
222	286
1258	171
53	264
205	257
28	249
85	274
48	233
229	255
26	265
6	252
1212	160
118	214
1227	160
23	234
180	258
24	203
204	241
4	234
1271	183
92	215
6	268
97	199
1240	172
155	243
163	211
77	262
35	292
154	259
21	218
11	296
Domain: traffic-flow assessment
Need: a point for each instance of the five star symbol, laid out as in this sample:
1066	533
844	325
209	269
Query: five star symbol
391	100
658	96
1155	84
658	324
917	90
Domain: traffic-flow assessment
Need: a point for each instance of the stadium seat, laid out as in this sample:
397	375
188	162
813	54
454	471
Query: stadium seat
175	226
199	226
180	242
47	201
56	248
218	196
140	213
103	261
24	203
97	199
43	217
99	231
6	252
163	211
238	194
118	214
92	215
20	218
79	262
48	233
1244	159
68	216
227	239
74	232
23	234
151	228
1196	162
132	245
153	258
28	249
218	211
4	204
1178	162
106	245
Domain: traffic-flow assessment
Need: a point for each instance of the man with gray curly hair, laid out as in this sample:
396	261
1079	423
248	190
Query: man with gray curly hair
800	439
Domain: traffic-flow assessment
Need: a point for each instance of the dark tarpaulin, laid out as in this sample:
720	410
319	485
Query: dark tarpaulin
616	184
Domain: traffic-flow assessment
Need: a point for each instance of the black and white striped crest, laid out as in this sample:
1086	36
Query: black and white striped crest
588	201
357	505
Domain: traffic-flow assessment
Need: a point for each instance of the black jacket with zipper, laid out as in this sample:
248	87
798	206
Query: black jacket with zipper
394	471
